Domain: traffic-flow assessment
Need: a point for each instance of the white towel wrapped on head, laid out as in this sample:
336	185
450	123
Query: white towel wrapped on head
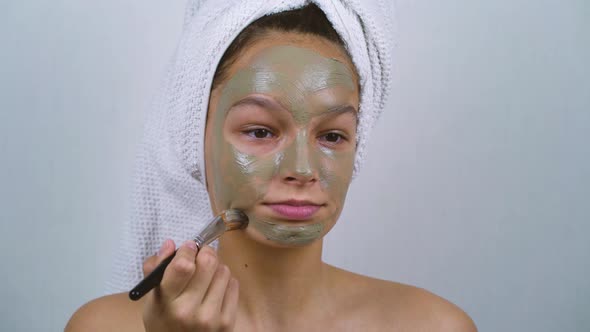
170	198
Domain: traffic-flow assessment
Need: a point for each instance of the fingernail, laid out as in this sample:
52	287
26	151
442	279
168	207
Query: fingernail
190	244
163	247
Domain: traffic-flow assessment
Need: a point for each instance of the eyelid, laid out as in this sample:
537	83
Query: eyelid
342	133
252	127
339	120
249	131
342	139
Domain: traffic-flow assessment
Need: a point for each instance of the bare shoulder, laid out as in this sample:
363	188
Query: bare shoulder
108	313
397	306
434	312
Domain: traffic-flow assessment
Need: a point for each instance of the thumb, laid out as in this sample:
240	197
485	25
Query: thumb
150	263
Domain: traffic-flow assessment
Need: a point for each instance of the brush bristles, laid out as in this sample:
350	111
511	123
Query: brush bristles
235	219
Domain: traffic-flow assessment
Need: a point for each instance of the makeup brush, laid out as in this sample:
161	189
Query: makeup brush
227	220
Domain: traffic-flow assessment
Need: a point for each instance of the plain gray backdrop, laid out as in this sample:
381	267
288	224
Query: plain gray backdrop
476	185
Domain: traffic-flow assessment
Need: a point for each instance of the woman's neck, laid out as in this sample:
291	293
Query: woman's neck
275	283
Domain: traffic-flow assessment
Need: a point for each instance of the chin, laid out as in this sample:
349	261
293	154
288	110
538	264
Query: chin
274	231
278	241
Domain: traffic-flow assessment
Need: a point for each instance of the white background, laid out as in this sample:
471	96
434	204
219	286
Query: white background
476	185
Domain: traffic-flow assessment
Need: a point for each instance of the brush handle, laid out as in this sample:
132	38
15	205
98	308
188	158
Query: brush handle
152	280
218	225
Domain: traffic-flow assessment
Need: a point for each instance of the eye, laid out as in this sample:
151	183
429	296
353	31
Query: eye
259	133
332	138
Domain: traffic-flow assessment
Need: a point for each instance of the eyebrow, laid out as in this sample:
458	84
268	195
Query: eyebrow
259	101
342	109
270	103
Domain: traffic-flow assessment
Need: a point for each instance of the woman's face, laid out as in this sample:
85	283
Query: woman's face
281	135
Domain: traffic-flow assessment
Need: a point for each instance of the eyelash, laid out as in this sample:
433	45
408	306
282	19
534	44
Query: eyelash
251	133
340	138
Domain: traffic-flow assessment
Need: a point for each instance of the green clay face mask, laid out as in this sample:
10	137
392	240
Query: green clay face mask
307	87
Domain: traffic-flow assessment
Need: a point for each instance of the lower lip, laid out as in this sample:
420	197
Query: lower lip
293	212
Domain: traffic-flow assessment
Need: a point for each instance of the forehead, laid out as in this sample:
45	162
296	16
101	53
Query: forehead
298	62
302	80
300	72
312	50
291	69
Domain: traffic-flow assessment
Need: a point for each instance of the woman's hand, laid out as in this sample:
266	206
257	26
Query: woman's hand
197	292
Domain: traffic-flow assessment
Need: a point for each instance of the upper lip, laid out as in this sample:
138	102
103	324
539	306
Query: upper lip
294	202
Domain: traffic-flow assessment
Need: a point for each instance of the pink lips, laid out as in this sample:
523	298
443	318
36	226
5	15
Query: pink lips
295	210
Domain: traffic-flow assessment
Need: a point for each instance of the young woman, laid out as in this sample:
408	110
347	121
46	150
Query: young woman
284	125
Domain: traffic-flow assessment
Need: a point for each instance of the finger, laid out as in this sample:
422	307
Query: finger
229	307
216	291
151	262
179	272
206	265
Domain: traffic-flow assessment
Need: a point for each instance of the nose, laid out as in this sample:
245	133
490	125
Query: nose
298	165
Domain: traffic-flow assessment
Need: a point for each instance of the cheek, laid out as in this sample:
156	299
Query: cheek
336	173
241	179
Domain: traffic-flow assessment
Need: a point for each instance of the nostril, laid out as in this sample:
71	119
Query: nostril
300	179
